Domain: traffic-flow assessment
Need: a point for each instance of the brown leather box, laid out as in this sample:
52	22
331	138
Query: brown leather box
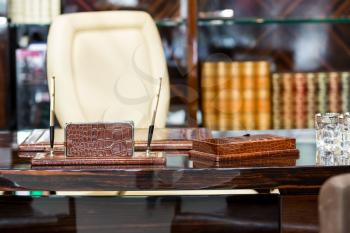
245	147
99	140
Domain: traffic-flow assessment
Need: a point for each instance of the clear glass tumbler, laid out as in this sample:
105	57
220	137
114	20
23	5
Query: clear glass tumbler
345	139
328	138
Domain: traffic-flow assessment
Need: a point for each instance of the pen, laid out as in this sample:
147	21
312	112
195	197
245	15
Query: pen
52	113
151	127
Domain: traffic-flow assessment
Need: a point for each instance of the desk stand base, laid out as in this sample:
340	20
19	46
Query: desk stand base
266	155
59	159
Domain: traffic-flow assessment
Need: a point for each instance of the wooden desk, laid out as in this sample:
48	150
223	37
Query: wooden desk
298	186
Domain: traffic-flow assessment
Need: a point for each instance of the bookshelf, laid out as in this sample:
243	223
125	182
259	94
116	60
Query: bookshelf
28	75
261	21
301	42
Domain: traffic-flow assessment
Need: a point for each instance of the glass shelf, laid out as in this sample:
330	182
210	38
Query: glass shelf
170	22
231	21
253	21
23	25
228	21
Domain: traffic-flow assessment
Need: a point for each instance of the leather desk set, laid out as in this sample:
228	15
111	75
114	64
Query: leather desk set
118	144
97	144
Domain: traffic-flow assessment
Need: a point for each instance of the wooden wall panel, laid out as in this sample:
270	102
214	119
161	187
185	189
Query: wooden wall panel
4	67
299	214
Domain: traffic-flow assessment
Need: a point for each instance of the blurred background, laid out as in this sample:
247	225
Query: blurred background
260	64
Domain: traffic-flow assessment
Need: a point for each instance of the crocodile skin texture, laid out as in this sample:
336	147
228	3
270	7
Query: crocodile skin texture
250	147
264	156
102	140
244	144
286	161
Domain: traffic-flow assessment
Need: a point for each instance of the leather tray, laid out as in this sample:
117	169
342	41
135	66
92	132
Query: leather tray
248	157
163	139
94	167
244	148
59	159
262	162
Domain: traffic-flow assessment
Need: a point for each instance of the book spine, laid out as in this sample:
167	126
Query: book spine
276	101
288	101
300	100
334	92
249	96
45	11
55	9
209	92
35	11
223	95
322	93
16	11
13	11
311	99
345	92
263	97
27	16
236	95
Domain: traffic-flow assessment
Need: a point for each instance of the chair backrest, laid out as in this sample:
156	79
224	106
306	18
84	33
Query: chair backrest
107	67
334	205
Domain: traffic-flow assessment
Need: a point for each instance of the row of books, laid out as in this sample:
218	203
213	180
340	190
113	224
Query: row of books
297	97
33	11
244	95
236	95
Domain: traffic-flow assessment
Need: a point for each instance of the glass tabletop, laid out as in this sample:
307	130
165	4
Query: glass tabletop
180	172
305	140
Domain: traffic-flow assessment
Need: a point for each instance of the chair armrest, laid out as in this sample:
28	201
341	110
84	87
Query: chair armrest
334	205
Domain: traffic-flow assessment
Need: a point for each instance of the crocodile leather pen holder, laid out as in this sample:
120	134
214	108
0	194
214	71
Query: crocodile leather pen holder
99	140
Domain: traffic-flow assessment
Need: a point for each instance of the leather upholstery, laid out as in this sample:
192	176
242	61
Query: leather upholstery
107	67
334	205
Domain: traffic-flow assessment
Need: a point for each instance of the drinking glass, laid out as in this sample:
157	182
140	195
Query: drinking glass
345	139
328	138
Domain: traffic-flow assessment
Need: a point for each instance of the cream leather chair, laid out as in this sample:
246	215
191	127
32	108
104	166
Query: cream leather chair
107	67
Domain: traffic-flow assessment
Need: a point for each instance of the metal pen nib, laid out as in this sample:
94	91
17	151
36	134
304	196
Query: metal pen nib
148	152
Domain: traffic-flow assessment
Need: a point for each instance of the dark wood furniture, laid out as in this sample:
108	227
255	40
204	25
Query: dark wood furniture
5	110
293	210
